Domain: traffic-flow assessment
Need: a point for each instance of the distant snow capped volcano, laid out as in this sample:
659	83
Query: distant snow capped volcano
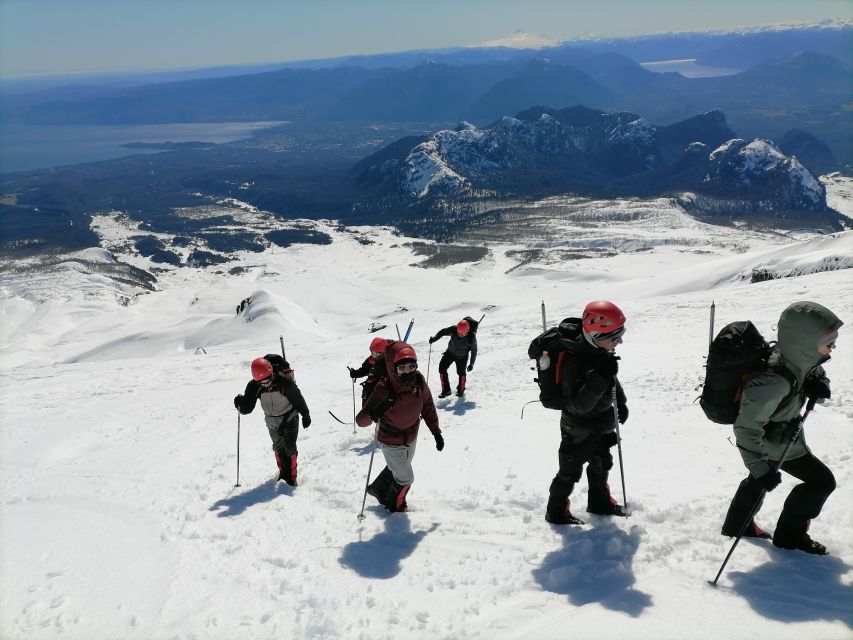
520	39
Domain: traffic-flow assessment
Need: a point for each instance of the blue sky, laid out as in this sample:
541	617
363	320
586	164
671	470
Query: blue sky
39	37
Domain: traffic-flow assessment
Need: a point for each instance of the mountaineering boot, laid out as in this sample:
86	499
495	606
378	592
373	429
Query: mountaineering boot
805	543
460	389
395	498
292	482
752	531
286	467
612	509
445	384
379	487
558	512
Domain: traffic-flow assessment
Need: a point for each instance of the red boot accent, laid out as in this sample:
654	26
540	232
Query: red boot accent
400	503
612	499
445	383
292	470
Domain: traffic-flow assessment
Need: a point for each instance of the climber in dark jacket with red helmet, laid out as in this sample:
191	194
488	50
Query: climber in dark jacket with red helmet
587	422
282	403
397	404
463	341
373	367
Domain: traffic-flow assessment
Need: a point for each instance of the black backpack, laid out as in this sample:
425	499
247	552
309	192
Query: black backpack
549	349
279	364
738	353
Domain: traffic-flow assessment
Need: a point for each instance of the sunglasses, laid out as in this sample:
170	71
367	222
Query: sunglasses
614	336
831	345
266	381
406	368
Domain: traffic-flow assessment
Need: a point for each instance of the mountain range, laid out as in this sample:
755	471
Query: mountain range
378	139
542	152
780	80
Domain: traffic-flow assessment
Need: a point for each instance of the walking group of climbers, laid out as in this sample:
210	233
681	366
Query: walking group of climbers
578	371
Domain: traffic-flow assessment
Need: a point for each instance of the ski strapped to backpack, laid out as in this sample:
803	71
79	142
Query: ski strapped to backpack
549	349
735	356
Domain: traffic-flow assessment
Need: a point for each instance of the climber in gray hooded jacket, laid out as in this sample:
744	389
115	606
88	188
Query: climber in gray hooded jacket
768	417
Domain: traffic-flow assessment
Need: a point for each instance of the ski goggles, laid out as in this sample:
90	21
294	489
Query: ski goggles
407	367
266	381
614	336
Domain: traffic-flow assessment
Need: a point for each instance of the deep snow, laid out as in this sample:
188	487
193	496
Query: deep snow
119	517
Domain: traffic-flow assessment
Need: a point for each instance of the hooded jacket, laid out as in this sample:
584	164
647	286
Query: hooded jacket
768	404
411	402
587	395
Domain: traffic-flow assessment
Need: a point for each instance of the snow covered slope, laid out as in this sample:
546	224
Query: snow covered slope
118	512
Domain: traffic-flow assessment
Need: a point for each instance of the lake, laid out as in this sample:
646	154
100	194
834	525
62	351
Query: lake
28	147
688	68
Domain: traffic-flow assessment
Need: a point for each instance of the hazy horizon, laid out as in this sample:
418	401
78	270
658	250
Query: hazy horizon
44	38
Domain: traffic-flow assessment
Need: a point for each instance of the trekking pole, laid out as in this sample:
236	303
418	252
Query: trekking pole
353	406
396	326
238	449
619	448
409	330
758	502
369	469
281	339
711	331
544	326
429	358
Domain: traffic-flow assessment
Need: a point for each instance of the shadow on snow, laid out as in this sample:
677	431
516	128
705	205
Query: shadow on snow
459	408
594	565
237	504
795	587
364	449
381	556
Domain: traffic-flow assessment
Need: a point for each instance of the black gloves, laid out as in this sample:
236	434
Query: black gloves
352	373
770	480
607	366
470	366
306	422
238	401
610	439
439	441
622	410
379	409
817	388
432	339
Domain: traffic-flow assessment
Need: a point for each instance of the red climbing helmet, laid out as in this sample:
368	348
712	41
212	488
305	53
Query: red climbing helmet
377	345
602	317
462	328
406	353
261	369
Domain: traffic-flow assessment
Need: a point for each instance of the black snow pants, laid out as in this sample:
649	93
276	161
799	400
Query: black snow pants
594	451
803	503
444	365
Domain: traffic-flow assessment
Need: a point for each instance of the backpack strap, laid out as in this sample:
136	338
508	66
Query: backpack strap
558	372
784	372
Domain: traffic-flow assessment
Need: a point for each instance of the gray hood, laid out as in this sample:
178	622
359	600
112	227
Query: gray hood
803	327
